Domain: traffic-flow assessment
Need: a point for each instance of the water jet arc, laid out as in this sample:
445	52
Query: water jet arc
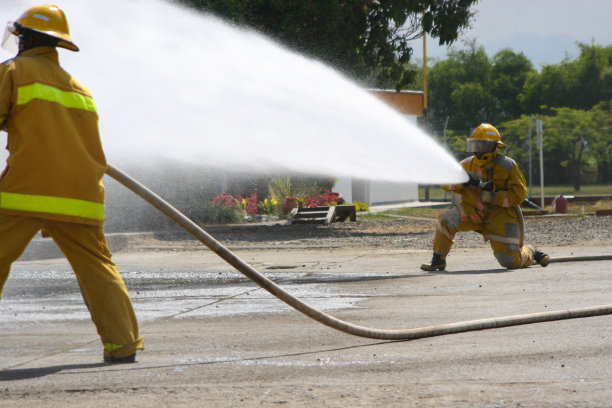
324	318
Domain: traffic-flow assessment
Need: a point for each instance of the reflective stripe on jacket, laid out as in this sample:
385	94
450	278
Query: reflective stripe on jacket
56	161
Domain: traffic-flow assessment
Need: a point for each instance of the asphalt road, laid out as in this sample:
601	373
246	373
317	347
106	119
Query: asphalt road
212	338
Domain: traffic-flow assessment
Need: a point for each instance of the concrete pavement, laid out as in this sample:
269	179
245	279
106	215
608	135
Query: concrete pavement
212	338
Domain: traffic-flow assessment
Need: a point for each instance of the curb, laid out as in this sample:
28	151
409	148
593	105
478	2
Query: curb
44	248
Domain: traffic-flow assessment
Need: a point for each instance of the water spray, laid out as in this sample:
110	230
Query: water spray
324	318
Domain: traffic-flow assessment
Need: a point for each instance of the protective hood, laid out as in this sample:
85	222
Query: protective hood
486	160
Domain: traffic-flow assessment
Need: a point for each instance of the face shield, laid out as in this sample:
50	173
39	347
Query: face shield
480	146
10	41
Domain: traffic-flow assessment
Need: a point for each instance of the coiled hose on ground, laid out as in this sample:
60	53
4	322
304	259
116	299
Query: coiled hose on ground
324	318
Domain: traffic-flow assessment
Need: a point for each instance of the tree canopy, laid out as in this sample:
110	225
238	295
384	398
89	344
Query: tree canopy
468	87
367	40
578	84
577	144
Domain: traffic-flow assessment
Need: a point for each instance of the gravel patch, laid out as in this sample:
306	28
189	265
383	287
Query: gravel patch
399	234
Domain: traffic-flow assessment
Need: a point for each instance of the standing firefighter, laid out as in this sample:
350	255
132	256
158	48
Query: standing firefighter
52	181
495	186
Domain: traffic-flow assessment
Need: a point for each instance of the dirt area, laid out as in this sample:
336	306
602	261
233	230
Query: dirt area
403	233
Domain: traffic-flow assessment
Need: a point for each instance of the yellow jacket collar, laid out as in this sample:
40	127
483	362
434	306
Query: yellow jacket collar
47	52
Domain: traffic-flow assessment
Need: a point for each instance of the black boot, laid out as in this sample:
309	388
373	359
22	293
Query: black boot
437	262
541	258
120	360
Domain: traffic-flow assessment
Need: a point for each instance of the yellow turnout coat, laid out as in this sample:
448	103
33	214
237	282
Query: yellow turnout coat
56	160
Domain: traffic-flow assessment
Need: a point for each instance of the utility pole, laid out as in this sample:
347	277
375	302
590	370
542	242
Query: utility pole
540	133
425	124
424	77
445	125
530	179
444	136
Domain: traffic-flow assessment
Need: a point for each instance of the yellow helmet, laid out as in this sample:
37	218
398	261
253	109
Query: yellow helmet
485	138
47	19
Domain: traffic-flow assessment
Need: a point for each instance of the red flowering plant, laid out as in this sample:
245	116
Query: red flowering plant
324	199
247	204
225	199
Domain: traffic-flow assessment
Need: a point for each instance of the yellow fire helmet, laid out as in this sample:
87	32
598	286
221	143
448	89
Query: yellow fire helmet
485	138
47	19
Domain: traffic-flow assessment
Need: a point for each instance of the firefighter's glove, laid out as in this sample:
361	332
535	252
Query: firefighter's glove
488	186
472	182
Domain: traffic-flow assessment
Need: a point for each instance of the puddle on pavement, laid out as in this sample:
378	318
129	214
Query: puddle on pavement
282	361
32	296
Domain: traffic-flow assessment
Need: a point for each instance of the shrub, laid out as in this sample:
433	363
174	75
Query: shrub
210	213
224	200
359	206
280	188
226	209
268	206
248	204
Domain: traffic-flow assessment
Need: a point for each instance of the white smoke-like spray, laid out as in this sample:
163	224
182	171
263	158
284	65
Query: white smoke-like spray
173	83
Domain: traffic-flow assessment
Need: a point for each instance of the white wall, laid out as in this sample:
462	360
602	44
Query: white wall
376	192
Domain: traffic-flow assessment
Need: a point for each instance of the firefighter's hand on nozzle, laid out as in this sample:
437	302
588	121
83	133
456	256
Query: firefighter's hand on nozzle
488	186
472	182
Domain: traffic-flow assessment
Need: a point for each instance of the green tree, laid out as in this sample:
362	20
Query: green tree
368	40
469	88
601	143
508	76
475	103
550	88
577	145
459	88
591	72
578	84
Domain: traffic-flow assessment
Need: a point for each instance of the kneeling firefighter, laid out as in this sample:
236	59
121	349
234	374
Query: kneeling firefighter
53	178
495	186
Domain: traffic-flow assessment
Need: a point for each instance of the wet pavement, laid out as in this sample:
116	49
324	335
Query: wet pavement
213	338
53	295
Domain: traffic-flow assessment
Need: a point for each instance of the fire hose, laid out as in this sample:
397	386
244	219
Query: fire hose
324	318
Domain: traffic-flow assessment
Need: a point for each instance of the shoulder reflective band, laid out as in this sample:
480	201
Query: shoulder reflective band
52	205
48	93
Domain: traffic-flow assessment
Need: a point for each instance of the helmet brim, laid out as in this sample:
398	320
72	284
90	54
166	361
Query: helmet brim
64	40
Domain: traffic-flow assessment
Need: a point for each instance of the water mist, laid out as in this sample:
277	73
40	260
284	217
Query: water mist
172	83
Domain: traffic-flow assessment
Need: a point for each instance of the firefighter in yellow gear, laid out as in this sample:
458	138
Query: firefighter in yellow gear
495	186
53	178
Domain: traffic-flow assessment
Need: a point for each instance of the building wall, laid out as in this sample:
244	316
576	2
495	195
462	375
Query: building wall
377	192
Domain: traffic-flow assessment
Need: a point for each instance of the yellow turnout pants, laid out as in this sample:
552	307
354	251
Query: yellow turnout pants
508	254
103	288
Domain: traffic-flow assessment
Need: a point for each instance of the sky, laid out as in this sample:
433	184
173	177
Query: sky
546	31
